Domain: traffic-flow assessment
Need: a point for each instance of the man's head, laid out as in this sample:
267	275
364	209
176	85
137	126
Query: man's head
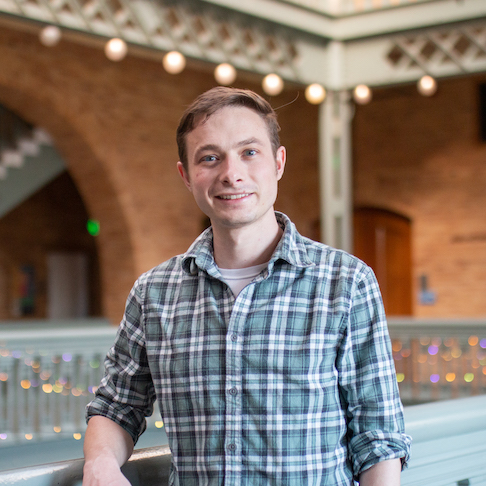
220	97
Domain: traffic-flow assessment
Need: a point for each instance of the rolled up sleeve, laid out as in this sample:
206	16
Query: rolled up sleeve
368	384
126	392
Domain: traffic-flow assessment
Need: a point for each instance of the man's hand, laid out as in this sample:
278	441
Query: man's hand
107	446
385	473
103	472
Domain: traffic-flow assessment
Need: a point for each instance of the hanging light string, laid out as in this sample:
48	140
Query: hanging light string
225	74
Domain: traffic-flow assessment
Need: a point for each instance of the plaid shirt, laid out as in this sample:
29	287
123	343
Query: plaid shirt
289	384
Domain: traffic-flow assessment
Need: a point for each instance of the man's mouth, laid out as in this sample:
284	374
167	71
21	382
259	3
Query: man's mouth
233	196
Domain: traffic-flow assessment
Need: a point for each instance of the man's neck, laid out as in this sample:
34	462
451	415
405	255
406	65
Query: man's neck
247	246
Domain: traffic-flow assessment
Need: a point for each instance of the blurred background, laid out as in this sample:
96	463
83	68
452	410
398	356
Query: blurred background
382	107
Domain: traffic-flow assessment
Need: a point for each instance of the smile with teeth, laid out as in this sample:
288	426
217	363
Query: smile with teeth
233	196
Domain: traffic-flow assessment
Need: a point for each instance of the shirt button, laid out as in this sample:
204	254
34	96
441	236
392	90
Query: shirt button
234	338
233	391
232	447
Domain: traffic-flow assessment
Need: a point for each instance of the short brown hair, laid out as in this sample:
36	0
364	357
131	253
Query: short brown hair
213	100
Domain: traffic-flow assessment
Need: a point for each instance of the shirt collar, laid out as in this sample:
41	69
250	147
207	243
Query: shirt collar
291	248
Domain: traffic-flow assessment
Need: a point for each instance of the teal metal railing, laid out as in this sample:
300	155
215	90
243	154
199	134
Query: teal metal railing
49	371
47	376
439	359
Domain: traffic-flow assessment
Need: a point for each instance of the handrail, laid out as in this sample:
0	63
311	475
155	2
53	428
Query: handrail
146	467
448	443
448	450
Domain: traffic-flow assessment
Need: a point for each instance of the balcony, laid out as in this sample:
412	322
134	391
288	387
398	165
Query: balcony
49	372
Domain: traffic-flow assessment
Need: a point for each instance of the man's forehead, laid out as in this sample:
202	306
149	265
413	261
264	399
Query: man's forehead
223	111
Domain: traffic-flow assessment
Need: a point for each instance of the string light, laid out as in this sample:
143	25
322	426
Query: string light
116	49
315	93
469	377
272	84
362	94
50	35
473	340
427	86
174	62
225	74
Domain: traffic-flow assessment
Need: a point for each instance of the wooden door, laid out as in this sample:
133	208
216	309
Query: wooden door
382	239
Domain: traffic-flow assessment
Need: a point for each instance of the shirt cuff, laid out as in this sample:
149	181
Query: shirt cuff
124	416
369	448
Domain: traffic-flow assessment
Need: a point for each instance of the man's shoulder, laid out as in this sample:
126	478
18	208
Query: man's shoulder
168	270
327	257
324	256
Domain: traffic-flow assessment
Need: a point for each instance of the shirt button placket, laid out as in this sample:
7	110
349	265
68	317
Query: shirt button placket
234	353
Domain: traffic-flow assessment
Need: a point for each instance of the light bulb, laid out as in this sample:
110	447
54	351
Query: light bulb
427	86
272	84
50	35
225	74
174	62
362	94
116	49
315	93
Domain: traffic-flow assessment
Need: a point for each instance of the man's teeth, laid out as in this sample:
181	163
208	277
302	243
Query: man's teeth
234	196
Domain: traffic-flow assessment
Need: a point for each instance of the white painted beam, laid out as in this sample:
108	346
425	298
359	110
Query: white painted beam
358	25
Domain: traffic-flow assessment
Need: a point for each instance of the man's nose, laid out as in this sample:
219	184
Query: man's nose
231	170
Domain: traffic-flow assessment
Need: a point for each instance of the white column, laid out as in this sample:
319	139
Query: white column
335	170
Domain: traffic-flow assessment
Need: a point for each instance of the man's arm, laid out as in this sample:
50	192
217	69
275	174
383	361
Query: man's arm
107	446
384	473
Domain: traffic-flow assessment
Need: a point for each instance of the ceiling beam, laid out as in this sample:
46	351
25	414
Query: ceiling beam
385	21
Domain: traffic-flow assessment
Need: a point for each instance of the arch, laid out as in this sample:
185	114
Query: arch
91	179
382	239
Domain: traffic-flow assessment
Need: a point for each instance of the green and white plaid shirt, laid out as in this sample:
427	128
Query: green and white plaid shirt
289	384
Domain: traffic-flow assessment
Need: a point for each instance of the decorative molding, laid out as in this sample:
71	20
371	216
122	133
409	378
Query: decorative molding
200	31
439	52
395	42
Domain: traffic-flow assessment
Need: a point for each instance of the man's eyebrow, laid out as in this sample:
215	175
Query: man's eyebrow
249	141
214	147
208	147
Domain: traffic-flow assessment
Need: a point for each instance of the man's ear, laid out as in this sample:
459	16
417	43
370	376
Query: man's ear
183	173
281	159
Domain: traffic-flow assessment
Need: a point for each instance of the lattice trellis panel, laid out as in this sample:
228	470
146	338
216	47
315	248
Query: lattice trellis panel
195	29
441	52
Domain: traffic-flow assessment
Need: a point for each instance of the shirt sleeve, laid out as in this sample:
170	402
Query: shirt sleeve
126	392
368	384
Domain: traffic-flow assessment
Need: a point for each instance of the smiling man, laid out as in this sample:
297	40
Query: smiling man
268	353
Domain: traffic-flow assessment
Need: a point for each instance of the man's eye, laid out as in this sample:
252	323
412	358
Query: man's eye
250	152
208	158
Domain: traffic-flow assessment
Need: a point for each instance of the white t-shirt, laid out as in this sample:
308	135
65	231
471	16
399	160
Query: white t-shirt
239	278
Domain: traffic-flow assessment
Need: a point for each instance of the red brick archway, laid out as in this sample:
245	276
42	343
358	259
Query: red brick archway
100	198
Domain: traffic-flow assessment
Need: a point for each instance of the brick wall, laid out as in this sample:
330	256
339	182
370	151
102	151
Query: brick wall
423	158
114	125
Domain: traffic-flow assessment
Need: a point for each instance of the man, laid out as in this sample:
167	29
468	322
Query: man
268	353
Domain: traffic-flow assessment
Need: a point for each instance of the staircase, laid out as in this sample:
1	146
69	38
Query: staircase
28	160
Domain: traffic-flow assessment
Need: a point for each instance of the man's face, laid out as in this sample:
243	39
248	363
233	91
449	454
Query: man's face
231	168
